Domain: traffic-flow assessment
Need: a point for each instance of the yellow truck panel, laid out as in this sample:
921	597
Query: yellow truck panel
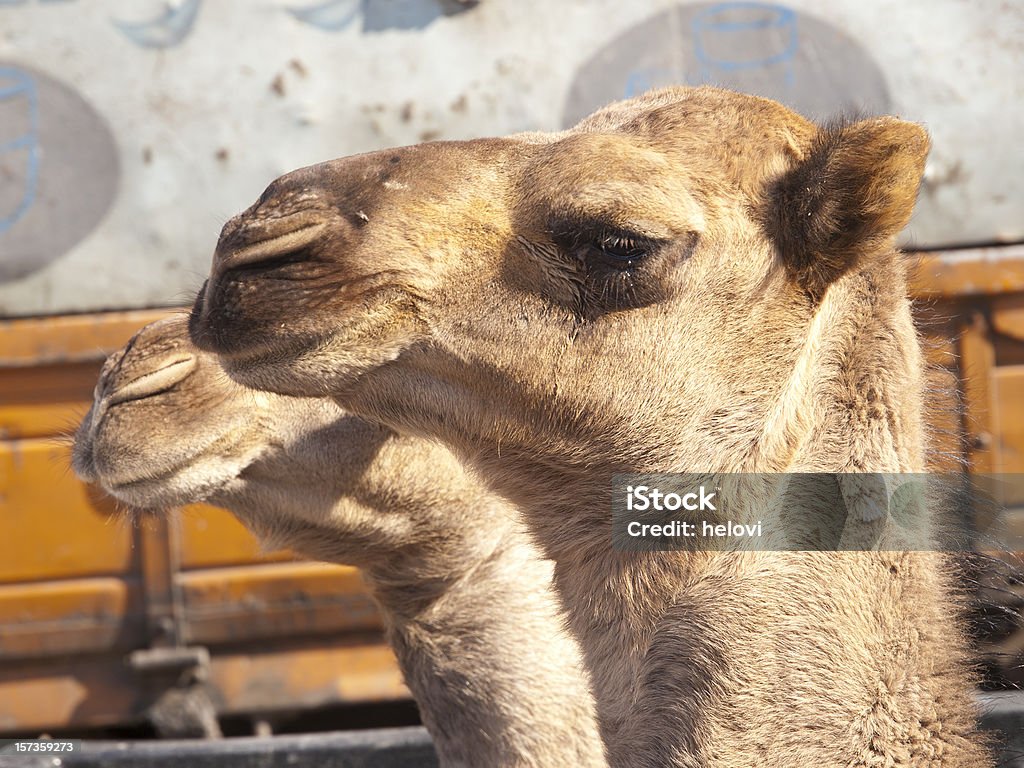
102	615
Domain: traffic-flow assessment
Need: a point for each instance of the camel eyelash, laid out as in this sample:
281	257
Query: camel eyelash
596	241
622	251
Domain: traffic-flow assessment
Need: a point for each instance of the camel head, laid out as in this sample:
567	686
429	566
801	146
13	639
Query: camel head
636	293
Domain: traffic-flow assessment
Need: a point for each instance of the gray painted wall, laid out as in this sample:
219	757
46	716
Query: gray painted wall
131	129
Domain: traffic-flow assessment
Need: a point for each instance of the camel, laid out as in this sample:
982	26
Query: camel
693	280
466	599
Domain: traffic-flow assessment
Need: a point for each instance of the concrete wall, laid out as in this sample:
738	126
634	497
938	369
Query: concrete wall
131	129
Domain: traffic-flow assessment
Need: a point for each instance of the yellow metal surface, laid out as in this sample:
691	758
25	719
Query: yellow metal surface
968	271
226	605
85	691
1009	410
312	676
20	420
212	537
53	526
977	361
103	690
70	338
47	400
1008	316
79	616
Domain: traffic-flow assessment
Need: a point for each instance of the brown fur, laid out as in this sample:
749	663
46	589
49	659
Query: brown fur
694	280
466	598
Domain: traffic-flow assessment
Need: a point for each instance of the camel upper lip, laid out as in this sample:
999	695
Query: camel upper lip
271	247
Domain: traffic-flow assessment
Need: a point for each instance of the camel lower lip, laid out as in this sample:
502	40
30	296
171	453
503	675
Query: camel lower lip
139	482
129	492
157	490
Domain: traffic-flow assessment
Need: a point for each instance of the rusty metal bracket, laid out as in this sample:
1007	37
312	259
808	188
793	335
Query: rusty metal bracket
160	546
193	660
183	706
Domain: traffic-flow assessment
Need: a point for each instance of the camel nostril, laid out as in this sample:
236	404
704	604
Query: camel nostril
154	382
268	240
273	247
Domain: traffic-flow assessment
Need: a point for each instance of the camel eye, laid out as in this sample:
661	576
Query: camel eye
622	251
613	267
596	243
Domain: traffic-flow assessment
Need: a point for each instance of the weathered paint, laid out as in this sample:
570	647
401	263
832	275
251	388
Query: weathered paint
72	339
208	101
969	271
103	690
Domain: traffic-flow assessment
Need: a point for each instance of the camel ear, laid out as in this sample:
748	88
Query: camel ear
849	196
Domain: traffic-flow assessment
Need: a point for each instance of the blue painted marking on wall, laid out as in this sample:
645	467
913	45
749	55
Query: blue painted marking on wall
166	30
331	16
719	24
22	88
642	80
177	21
376	15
